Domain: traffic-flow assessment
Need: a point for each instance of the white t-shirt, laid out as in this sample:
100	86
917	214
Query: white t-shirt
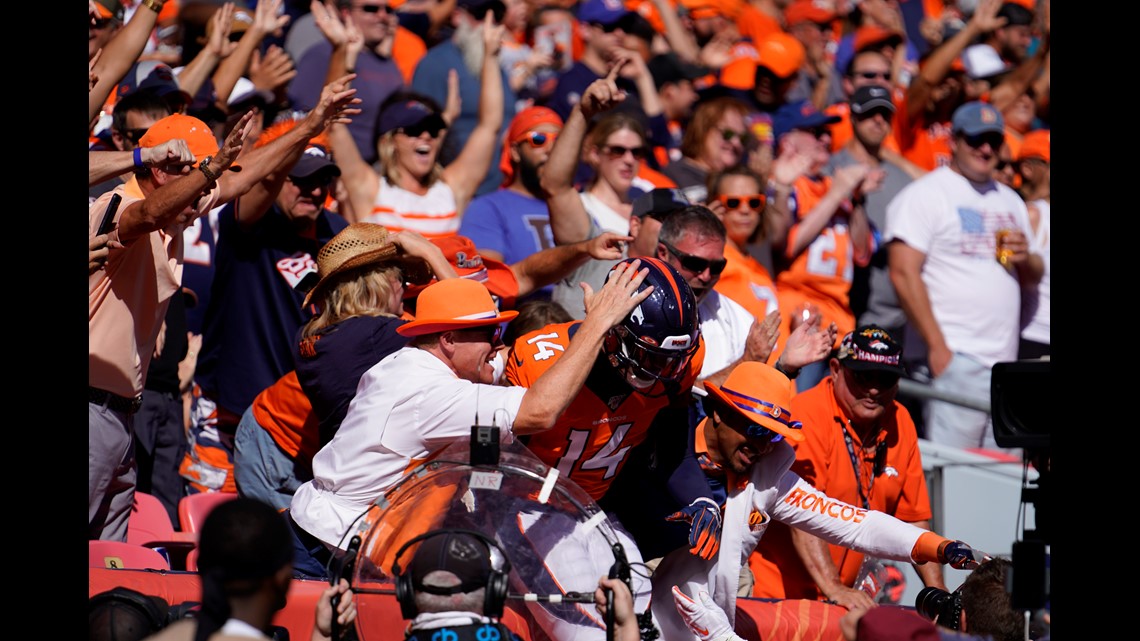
976	301
1035	304
724	326
407	407
606	218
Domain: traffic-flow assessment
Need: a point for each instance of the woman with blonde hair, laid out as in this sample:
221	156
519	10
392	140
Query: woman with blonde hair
410	189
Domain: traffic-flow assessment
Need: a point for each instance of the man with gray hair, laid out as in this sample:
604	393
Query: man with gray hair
463	53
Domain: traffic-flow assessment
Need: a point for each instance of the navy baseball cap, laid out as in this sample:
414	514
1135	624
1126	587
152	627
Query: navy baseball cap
871	97
799	115
974	118
603	12
659	202
407	113
155	77
316	158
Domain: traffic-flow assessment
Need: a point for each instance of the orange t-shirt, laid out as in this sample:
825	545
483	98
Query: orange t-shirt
406	52
924	143
747	282
823	460
283	410
821	274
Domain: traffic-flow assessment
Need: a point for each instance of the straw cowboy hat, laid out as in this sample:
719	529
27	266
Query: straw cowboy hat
359	245
761	394
455	303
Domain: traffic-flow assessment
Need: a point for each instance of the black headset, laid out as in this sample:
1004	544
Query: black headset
497	580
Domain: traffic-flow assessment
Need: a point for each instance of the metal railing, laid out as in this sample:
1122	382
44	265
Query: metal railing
916	389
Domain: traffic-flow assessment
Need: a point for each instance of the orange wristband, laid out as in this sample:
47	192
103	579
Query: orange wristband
928	547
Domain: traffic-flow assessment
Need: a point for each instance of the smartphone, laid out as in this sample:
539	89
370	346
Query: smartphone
109	216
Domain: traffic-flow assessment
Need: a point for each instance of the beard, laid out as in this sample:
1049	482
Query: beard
469	40
529	177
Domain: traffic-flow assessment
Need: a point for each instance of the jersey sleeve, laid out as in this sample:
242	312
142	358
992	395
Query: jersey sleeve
535	352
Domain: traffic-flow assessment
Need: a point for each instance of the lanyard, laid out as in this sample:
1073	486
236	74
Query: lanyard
855	465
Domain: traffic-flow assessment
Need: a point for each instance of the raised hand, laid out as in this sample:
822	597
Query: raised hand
219	43
268	19
234	142
492	35
704	617
762	336
453	106
327	18
603	94
335	105
273	71
985	16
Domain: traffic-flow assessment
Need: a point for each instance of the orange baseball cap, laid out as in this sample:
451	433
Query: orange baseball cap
461	252
455	303
807	11
196	133
869	36
781	53
1035	144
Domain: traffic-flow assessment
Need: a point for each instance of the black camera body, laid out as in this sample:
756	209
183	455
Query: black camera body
945	606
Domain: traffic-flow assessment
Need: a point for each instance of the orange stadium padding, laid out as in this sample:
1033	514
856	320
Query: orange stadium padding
767	619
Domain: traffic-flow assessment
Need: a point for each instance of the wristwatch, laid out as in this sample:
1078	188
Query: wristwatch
204	167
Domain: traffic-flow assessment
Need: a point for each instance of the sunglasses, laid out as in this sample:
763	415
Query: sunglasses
818	132
307	184
762	433
101	23
538	139
729	135
885	113
878	380
617	151
754	201
490	334
872	75
696	264
415	131
993	139
375	8
133	135
610	28
1002	165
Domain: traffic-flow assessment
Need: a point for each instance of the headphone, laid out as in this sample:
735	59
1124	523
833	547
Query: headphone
497	580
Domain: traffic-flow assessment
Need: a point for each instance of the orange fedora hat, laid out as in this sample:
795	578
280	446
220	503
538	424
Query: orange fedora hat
455	303
761	394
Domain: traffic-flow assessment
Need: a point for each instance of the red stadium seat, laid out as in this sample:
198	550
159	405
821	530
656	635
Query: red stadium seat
193	509
124	556
150	526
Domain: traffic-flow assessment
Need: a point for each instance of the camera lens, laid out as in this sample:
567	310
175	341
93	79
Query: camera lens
934	603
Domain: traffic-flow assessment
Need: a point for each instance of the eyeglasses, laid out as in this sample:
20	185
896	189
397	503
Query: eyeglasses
696	264
875	379
729	134
872	75
993	139
375	8
754	201
415	131
617	151
133	135
539	139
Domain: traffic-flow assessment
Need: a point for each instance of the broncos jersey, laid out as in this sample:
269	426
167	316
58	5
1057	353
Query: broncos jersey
592	439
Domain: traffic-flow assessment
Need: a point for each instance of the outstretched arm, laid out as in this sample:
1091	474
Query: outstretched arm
467	171
569	221
551	265
118	56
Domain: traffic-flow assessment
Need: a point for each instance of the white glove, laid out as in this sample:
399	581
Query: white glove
706	619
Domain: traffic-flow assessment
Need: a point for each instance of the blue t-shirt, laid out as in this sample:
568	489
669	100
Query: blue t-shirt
430	80
254	311
510	223
376	79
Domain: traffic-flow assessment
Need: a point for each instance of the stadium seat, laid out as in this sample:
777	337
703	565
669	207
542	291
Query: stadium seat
193	509
127	556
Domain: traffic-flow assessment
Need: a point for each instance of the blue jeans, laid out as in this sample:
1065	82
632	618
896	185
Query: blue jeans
262	470
811	374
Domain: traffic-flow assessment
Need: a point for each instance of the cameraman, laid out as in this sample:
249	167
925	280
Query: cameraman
451	583
980	609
